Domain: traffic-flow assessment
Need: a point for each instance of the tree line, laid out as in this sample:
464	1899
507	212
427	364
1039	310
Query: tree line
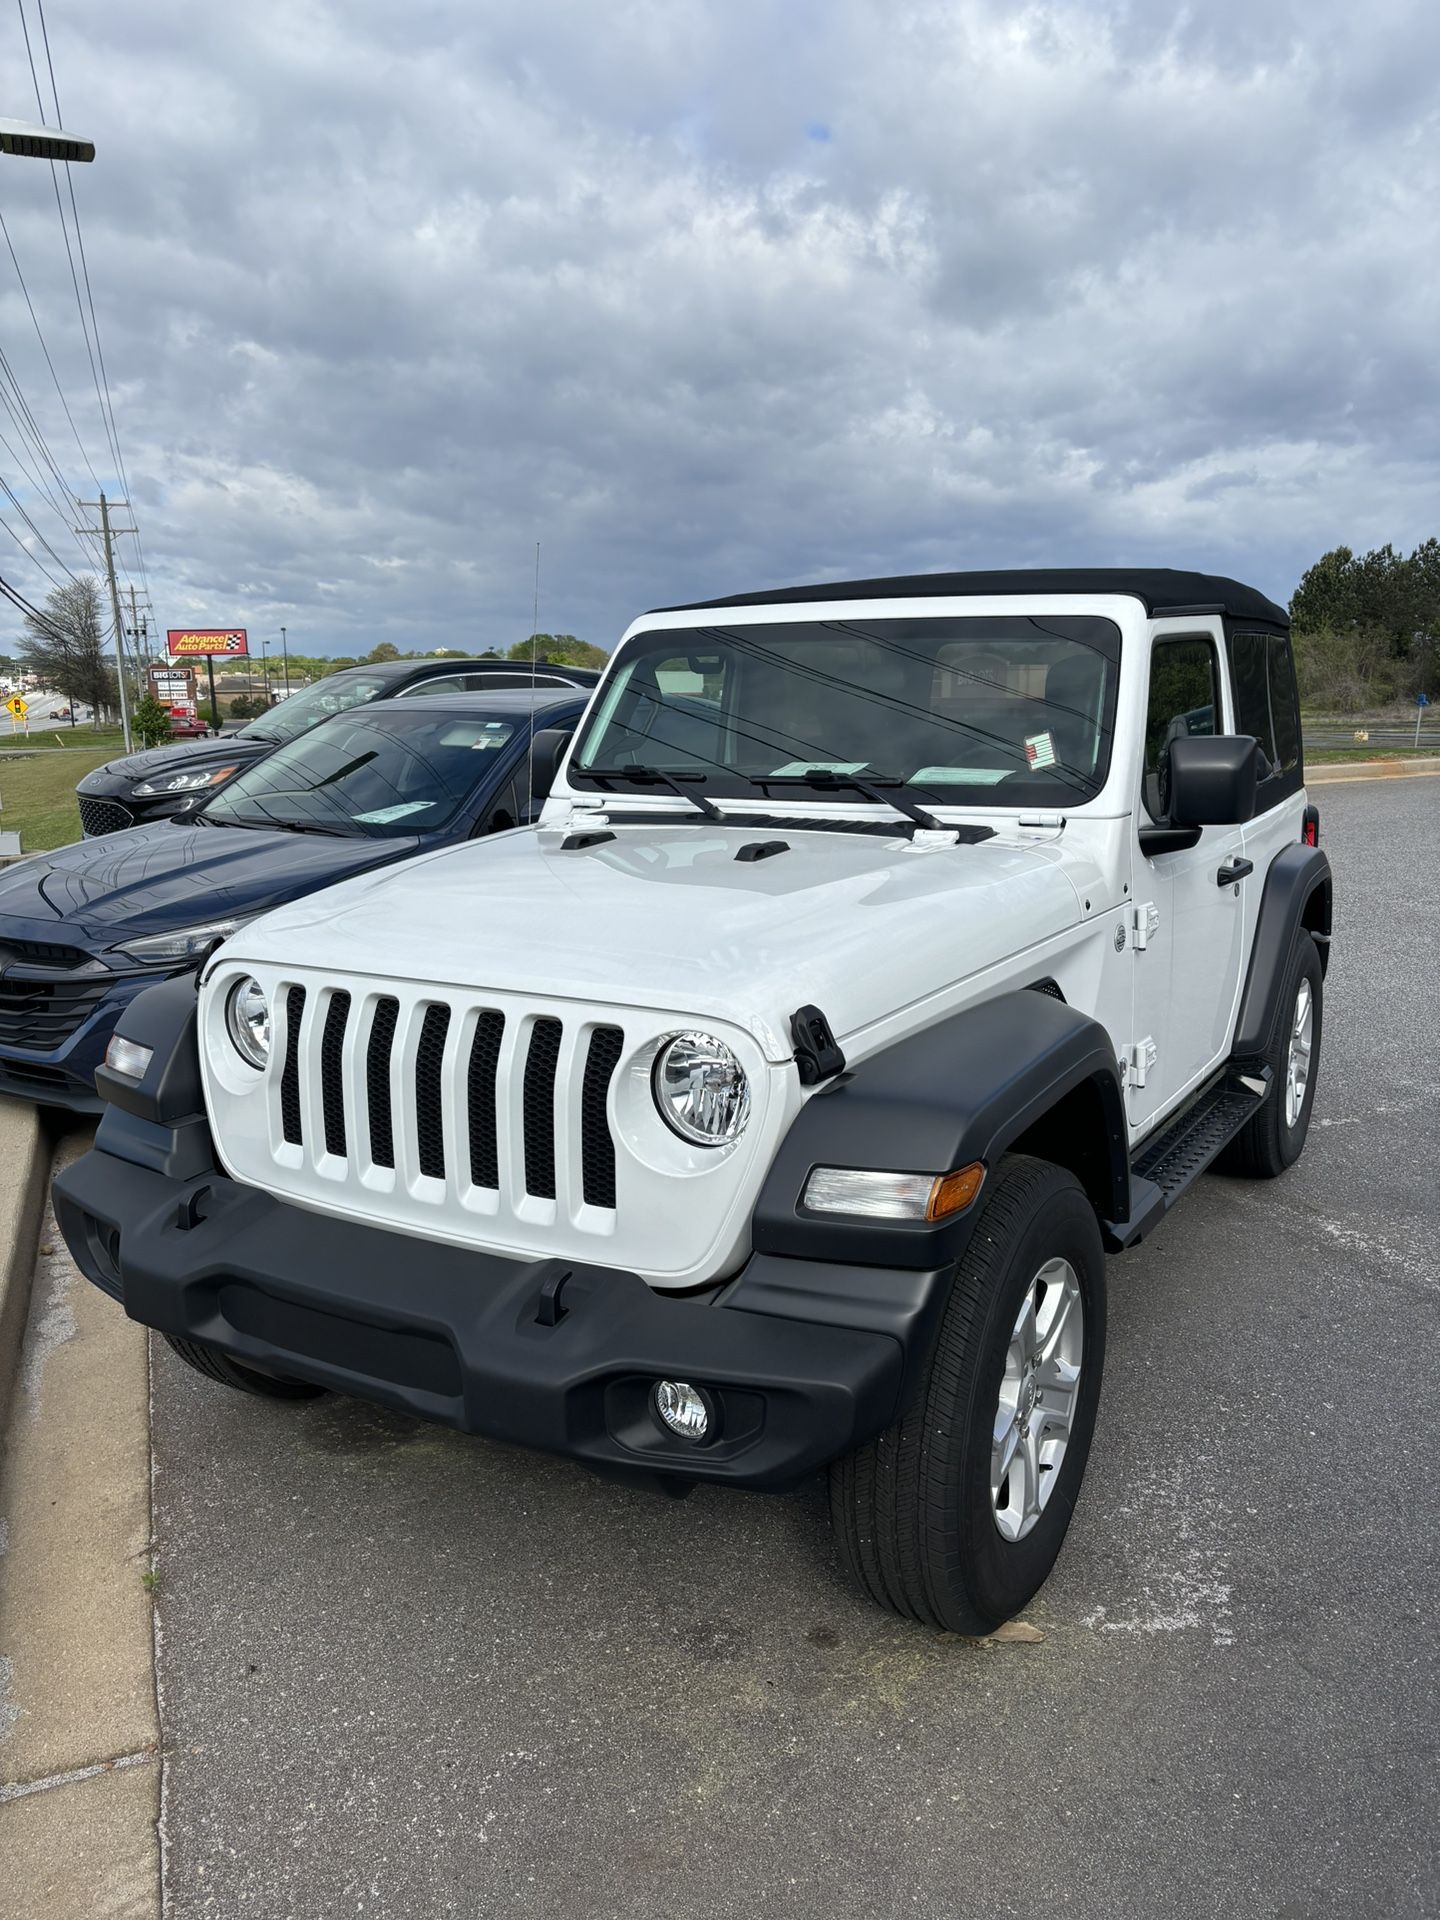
1367	628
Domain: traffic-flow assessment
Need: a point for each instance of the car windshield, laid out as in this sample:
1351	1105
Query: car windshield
980	712
393	771
305	710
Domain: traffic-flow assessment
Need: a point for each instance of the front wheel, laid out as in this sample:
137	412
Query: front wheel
954	1515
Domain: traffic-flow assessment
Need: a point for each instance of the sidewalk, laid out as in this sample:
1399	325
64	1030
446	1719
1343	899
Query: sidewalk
79	1731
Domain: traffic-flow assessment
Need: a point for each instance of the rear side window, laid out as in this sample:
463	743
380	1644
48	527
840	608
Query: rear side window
1267	704
1284	705
1184	701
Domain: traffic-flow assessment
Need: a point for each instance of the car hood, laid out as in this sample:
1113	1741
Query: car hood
157	879
118	776
860	925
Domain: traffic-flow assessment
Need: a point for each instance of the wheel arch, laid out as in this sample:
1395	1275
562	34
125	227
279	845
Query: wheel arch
1298	898
1022	1072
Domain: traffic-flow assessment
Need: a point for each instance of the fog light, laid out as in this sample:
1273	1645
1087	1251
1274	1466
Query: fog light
682	1408
128	1057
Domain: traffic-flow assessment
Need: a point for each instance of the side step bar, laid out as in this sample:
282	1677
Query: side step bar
1168	1164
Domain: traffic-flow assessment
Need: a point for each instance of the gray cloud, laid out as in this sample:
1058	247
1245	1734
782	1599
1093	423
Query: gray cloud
709	297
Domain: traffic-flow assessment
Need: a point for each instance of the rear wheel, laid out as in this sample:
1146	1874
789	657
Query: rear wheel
216	1365
955	1515
1273	1138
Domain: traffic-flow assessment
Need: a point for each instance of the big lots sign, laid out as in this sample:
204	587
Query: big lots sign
190	641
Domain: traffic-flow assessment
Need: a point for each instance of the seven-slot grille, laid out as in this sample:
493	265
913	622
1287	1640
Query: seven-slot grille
382	1092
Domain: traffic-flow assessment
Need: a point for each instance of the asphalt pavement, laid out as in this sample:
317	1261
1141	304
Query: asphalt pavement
405	1673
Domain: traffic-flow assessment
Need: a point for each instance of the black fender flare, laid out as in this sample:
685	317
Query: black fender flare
968	1088
159	1121
1298	895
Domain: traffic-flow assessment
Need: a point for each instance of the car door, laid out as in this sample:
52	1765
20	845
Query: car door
1188	929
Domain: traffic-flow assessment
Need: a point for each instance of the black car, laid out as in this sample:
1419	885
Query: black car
164	781
86	928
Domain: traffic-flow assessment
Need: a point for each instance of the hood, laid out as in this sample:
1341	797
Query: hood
667	917
158	879
117	776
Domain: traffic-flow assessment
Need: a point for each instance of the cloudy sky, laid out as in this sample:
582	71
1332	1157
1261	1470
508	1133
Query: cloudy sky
708	295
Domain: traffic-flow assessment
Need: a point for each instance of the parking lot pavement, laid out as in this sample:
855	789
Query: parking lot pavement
406	1673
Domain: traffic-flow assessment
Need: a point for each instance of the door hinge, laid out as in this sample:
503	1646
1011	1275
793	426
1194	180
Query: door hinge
1136	1061
1144	924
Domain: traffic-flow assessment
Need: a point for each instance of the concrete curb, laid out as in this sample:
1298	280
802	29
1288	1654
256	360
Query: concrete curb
1370	770
24	1180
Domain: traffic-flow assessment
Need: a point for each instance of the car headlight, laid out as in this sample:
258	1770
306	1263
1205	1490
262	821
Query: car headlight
181	782
186	943
701	1089
247	1020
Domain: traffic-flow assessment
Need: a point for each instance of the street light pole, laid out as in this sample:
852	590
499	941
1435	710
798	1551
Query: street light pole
265	667
285	651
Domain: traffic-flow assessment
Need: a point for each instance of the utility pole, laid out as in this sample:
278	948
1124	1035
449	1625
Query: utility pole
108	532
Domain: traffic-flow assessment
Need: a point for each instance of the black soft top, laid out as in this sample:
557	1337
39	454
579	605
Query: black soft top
1161	590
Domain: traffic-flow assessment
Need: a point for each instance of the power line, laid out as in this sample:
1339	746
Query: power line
39	335
107	404
19	507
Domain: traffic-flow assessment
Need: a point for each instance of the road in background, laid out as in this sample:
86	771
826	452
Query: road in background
404	1672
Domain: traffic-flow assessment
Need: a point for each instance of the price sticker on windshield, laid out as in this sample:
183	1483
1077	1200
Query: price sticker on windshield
1040	750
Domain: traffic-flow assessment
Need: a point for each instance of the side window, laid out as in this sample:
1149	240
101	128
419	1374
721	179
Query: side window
1250	670
1267	704
506	809
1284	705
442	683
1184	700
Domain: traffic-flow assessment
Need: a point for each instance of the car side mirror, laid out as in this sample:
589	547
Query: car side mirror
547	749
1212	780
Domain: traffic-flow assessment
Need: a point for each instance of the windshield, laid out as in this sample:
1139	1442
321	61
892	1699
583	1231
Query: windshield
973	711
396	770
305	710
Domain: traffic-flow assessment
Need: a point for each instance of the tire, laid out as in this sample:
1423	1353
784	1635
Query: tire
219	1366
1270	1141
913	1511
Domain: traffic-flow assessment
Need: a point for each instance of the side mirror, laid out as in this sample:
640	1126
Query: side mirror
1212	780
547	749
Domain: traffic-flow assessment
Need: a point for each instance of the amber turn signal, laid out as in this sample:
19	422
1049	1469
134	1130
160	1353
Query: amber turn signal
953	1192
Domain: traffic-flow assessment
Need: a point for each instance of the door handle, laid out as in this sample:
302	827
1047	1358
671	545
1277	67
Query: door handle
1234	869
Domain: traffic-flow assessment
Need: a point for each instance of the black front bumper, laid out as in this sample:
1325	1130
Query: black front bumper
802	1360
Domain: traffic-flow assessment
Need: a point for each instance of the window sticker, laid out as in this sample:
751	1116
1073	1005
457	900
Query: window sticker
382	816
957	776
820	766
1040	749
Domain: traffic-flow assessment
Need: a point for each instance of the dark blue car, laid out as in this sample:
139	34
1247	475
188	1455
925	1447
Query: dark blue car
84	929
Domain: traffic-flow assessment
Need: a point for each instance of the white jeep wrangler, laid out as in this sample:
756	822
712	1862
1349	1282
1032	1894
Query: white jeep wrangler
886	953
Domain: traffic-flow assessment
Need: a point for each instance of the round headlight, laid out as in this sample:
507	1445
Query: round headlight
247	1020
701	1089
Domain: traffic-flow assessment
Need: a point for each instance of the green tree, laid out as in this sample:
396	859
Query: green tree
383	652
563	648
151	722
64	649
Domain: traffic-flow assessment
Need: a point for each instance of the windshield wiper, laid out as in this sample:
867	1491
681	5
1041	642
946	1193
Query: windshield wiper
655	777
876	790
275	826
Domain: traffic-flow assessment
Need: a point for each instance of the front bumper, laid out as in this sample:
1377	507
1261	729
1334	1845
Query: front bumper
803	1361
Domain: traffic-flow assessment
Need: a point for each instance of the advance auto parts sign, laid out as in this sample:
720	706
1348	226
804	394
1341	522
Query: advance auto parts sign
188	641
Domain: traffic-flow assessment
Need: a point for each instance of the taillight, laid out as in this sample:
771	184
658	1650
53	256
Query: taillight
1310	831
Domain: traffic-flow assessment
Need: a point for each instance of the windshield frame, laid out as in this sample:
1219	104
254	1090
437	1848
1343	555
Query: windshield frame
1097	626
